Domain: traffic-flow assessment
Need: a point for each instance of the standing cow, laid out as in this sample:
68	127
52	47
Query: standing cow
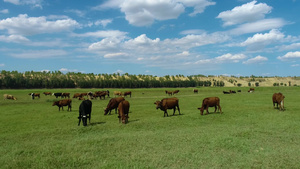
8	96
113	104
85	110
61	103
278	98
168	103
123	110
210	102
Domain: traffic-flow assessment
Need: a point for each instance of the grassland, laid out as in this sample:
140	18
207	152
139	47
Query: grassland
249	134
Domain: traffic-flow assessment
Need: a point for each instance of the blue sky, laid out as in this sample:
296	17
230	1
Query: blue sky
153	37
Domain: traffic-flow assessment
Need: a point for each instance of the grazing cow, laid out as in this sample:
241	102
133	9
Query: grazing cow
232	91
117	93
195	90
77	95
251	90
278	98
226	92
47	93
61	103
100	94
57	95
8	96
168	103
85	110
127	93
33	95
65	95
113	104
169	93
84	94
123	110
175	92
210	102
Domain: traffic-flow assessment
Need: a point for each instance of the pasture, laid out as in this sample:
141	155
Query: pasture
249	134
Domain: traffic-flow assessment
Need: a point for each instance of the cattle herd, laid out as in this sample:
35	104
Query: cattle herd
120	105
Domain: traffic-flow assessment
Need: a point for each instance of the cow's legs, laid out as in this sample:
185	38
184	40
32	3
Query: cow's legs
178	109
220	109
215	108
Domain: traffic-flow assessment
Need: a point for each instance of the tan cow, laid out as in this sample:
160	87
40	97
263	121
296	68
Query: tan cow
8	96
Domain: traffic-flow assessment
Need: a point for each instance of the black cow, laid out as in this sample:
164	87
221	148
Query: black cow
57	95
85	110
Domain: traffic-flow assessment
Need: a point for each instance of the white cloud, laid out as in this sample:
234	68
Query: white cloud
103	22
2	64
36	54
290	47
116	55
4	11
24	25
290	56
230	58
14	38
249	12
103	34
145	12
259	40
68	70
33	3
258	26
256	60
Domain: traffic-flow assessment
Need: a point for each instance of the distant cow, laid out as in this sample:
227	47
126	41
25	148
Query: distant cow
123	110
278	98
77	95
127	93
8	96
47	93
65	95
169	93
251	90
61	103
57	95
210	102
117	93
113	104
33	95
232	91
175	92
100	94
168	103
226	92
85	110
195	90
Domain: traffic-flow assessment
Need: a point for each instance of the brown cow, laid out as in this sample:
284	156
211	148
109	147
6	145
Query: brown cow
100	94
169	93
175	92
127	93
168	103
210	102
251	90
278	98
195	90
47	93
77	95
123	110
61	103
113	104
65	95
8	96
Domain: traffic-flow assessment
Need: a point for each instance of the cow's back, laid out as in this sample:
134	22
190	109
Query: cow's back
124	106
169	103
211	101
85	107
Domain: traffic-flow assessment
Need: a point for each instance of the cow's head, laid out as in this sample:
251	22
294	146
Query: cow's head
201	110
158	104
14	98
84	120
55	103
106	111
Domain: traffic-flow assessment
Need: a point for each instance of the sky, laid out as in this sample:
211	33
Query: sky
151	37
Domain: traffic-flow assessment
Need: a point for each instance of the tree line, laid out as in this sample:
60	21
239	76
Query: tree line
57	79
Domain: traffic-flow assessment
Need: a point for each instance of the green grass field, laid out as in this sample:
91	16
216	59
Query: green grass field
249	134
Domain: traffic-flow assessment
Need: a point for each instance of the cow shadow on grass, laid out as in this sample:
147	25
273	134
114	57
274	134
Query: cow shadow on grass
132	121
96	123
